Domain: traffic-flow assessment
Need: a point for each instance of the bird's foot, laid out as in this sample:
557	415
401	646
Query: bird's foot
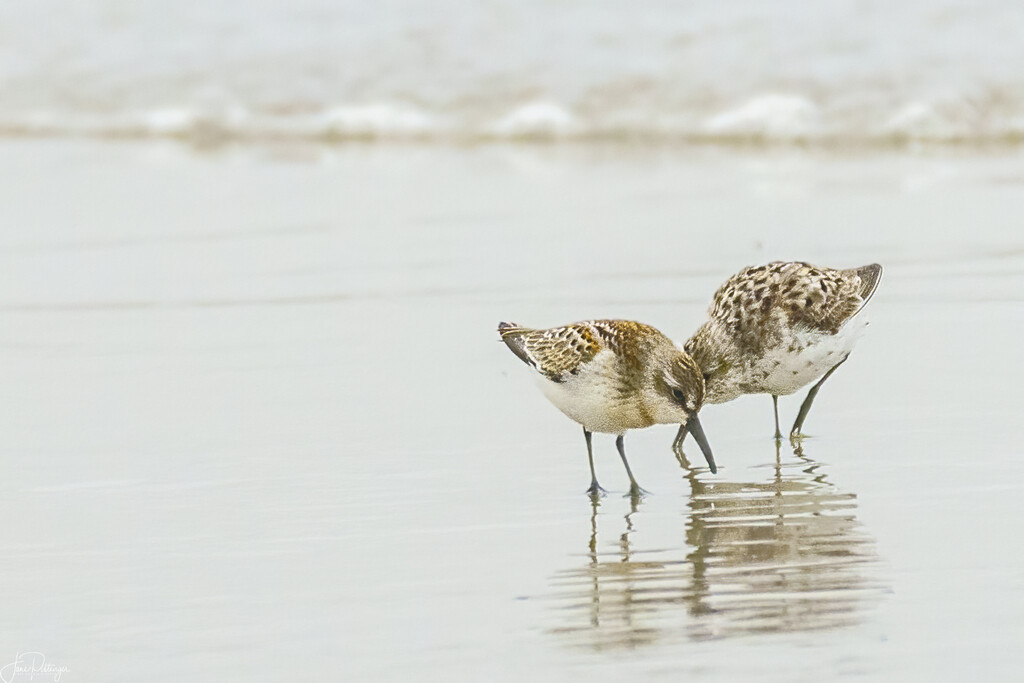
635	492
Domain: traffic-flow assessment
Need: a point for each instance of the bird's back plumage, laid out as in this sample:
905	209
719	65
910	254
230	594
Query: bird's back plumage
797	294
776	327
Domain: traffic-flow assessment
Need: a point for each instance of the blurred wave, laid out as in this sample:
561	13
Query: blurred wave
844	72
763	120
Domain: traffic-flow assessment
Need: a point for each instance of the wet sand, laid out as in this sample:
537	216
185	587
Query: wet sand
257	425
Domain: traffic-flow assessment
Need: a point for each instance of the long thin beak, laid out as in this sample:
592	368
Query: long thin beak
698	433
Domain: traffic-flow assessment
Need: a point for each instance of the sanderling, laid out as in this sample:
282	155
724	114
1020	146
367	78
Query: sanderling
611	376
778	327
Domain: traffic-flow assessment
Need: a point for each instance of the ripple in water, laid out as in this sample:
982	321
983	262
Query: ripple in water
760	557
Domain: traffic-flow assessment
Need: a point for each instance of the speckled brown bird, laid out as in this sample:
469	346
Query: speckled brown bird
775	328
612	376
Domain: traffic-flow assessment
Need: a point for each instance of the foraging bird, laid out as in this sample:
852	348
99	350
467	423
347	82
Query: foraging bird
775	328
612	376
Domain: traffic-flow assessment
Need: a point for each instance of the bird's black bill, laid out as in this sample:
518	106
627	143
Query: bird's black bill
693	427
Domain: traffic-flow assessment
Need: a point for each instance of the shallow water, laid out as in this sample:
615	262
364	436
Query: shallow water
755	557
257	424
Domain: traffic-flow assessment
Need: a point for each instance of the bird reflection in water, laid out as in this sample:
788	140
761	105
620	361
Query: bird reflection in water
761	557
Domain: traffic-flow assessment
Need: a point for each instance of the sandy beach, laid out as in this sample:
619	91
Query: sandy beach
257	426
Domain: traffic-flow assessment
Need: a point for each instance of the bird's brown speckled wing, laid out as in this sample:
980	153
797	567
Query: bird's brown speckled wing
821	299
560	351
554	352
824	299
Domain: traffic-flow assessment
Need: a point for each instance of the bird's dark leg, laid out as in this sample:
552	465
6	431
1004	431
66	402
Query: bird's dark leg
805	407
634	488
595	488
677	445
775	402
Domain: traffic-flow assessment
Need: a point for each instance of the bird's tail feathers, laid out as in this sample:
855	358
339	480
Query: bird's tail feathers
869	277
511	334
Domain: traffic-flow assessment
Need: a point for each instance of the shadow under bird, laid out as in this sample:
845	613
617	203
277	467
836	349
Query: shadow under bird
612	376
775	328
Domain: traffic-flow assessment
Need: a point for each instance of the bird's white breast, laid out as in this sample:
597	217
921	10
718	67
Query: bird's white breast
803	356
593	397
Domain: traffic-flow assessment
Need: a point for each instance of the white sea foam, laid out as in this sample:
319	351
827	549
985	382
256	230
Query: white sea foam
170	121
375	120
770	116
536	119
764	119
950	121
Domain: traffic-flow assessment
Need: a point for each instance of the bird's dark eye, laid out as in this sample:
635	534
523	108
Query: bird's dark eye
677	394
